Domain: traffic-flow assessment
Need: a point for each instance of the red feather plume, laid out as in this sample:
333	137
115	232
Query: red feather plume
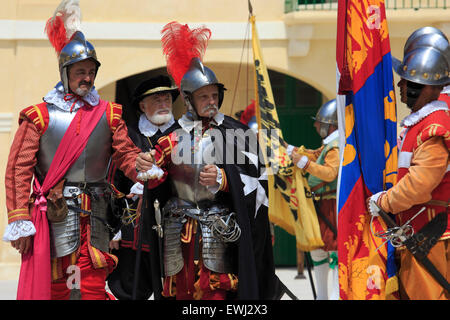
180	44
56	33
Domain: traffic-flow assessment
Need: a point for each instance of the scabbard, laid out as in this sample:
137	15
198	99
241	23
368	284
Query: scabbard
414	246
137	264
161	256
324	219
154	255
429	266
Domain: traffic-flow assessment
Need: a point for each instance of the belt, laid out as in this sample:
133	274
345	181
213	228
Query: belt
92	189
85	185
438	203
196	213
312	194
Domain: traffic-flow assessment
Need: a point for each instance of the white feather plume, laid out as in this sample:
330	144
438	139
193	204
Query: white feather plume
70	12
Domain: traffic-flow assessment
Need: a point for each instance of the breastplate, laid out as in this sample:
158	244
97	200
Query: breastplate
92	164
189	157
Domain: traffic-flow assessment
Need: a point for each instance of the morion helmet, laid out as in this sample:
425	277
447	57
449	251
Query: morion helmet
419	33
70	44
426	58
326	115
199	76
184	49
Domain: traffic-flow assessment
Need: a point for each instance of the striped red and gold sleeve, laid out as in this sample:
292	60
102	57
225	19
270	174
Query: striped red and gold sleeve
224	185
163	150
22	159
114	115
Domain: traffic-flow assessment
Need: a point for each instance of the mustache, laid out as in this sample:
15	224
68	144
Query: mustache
85	83
212	107
166	111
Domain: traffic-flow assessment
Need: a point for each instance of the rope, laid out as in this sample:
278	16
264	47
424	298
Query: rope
240	65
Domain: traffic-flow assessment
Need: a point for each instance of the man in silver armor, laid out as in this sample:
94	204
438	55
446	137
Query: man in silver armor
422	192
63	148
212	227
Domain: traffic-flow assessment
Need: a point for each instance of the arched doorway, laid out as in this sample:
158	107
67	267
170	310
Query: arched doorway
296	103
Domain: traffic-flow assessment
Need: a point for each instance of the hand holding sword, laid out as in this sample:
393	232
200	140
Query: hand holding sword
396	235
418	244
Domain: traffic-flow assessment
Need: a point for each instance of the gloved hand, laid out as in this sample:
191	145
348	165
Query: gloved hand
154	172
373	203
137	189
300	160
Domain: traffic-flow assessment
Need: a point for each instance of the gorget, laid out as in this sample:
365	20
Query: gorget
56	97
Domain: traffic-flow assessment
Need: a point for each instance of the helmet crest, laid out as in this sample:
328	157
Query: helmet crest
180	45
69	42
65	22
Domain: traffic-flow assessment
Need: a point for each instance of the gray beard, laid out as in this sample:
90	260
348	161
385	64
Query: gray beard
82	92
160	119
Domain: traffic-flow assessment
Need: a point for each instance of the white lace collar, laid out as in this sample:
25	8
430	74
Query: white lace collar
148	129
188	124
426	110
331	137
56	97
446	90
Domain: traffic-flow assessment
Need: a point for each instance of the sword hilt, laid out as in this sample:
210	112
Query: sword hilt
389	221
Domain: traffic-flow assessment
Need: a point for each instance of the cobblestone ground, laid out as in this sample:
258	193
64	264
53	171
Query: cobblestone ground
301	288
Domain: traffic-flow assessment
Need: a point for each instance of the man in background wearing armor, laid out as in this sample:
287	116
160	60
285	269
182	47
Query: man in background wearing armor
65	144
423	179
323	167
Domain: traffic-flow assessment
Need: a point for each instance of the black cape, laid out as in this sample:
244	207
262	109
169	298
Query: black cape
255	267
252	254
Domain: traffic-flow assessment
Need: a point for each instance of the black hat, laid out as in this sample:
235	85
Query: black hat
154	85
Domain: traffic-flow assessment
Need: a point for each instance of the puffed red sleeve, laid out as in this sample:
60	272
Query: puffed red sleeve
162	155
20	169
125	151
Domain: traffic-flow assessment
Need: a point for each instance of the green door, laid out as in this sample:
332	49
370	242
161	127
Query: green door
296	103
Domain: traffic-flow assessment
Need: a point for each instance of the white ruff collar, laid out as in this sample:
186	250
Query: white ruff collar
56	97
331	137
425	111
187	124
148	129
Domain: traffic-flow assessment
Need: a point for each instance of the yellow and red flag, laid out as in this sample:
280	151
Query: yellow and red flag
289	207
367	122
